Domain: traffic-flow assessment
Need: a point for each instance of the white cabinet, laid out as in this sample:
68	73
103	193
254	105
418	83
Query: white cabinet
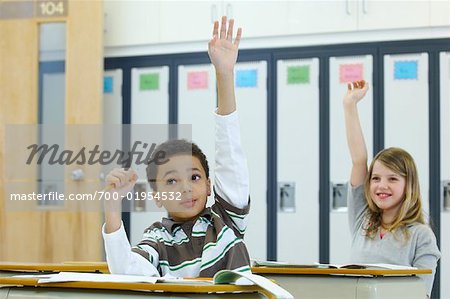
144	22
382	14
309	17
306	16
259	18
182	21
440	13
193	20
130	22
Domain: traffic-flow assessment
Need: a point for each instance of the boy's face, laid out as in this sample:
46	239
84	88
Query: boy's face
185	177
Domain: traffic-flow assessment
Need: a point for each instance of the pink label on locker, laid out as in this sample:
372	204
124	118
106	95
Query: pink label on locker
351	72
197	80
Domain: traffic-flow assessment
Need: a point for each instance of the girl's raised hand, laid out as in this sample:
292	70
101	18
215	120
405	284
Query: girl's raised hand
356	90
221	48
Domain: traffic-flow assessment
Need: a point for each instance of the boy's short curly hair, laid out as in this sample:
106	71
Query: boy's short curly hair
173	148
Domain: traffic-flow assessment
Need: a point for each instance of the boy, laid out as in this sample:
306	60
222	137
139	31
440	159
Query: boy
194	240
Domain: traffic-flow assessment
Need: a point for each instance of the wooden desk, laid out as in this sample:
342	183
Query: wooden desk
100	267
301	282
347	283
15	288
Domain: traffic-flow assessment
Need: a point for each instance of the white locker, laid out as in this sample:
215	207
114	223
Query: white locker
252	108
406	111
445	171
197	99
298	160
112	97
112	114
149	118
342	70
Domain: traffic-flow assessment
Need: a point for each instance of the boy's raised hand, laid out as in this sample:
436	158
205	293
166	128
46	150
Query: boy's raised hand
356	90
221	48
121	181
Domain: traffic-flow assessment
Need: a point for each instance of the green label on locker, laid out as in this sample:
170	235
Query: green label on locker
298	74
149	82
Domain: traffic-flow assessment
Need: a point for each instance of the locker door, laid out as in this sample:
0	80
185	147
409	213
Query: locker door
298	160
445	172
197	98
197	101
343	70
112	114
112	97
149	118
406	110
251	98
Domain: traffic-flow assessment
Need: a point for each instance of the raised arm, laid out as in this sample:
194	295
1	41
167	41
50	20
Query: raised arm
223	53
355	138
231	171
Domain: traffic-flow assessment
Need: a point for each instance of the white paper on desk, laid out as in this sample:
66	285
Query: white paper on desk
390	266
94	277
74	276
368	266
179	280
245	278
33	275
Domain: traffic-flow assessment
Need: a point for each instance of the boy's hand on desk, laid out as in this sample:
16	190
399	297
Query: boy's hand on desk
221	49
121	181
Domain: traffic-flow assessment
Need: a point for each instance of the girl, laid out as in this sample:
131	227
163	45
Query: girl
384	203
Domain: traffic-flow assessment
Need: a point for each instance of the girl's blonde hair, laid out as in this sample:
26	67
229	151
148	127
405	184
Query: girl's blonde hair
400	162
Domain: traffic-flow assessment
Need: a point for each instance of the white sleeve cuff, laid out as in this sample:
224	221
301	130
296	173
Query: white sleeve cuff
120	258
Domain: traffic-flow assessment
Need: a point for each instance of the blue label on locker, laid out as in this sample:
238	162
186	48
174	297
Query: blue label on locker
405	70
108	84
246	78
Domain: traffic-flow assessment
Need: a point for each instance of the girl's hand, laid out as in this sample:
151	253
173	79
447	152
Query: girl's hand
222	50
355	92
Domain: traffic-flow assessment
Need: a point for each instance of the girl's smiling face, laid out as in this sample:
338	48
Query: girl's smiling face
387	189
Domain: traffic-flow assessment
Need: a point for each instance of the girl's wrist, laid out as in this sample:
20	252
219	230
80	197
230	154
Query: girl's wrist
224	73
349	103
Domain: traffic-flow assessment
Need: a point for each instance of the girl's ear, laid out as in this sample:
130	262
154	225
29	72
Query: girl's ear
156	199
208	185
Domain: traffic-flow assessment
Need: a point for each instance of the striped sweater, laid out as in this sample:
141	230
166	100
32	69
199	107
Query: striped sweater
201	248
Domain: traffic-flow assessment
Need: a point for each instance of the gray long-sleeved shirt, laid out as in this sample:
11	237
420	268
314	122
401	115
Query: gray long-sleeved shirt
420	250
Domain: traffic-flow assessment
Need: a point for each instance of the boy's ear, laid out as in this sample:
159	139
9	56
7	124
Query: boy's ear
156	199
208	185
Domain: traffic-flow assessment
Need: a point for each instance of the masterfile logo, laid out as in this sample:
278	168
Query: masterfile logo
64	167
